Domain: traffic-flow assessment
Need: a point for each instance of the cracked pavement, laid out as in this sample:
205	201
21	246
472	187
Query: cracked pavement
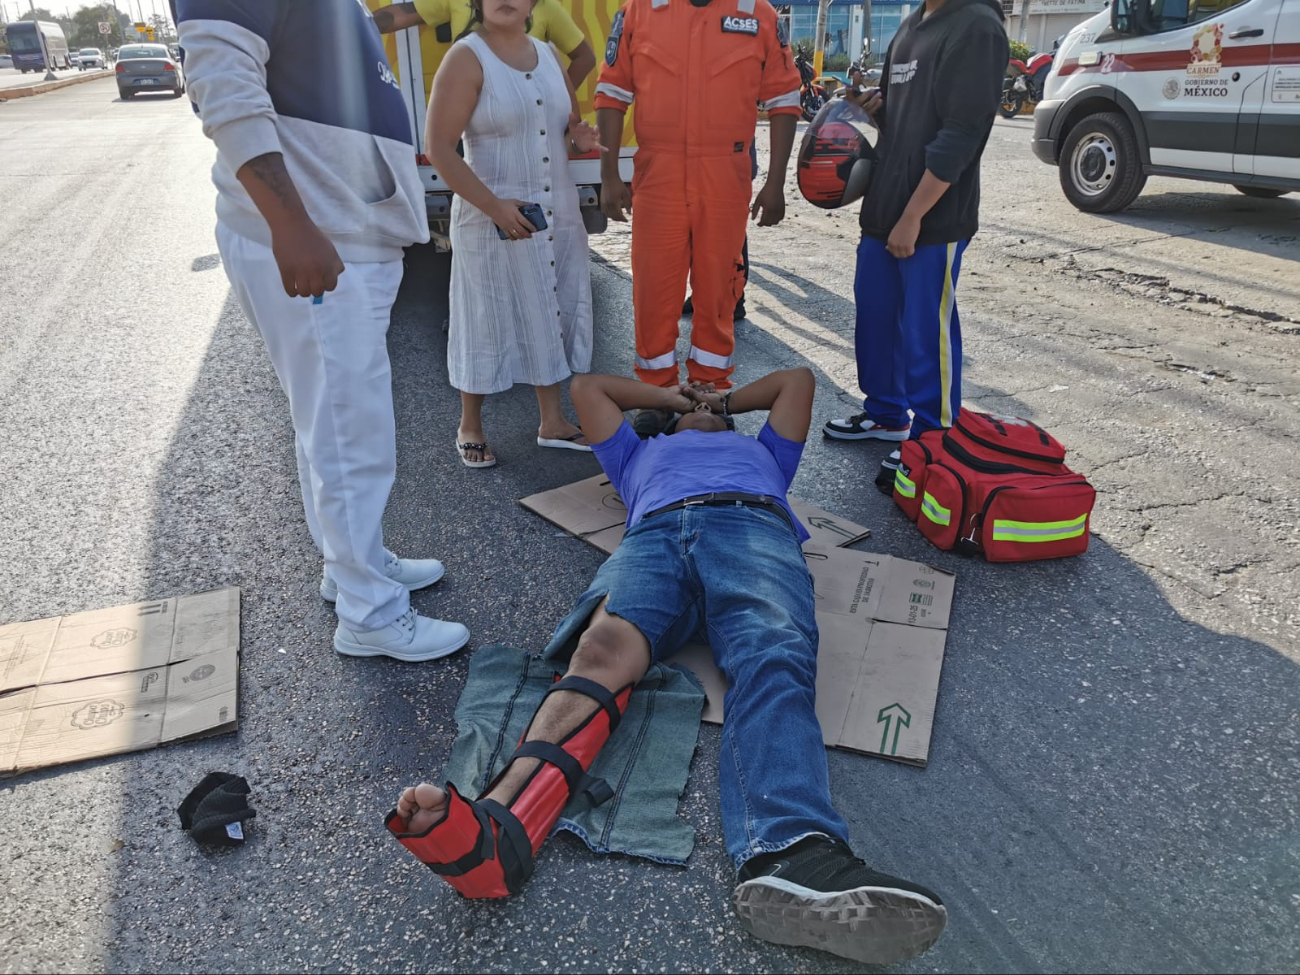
1113	775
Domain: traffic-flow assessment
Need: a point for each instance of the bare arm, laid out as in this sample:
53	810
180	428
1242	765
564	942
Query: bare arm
309	265
786	395
395	17
615	197
582	61
601	401
456	90
902	239
769	205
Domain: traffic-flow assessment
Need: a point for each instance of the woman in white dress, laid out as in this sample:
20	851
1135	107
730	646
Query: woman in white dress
520	306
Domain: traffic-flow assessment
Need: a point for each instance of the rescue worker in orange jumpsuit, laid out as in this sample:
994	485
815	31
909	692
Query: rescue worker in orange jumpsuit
695	70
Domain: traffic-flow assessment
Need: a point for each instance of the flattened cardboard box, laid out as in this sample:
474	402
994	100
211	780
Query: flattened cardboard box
883	623
592	510
118	680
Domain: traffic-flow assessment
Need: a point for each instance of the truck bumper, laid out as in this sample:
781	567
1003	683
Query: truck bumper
1044	142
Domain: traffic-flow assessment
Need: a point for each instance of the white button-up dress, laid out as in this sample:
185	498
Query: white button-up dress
520	310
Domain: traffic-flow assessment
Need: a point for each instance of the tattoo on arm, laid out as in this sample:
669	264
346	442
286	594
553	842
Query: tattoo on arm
384	17
269	170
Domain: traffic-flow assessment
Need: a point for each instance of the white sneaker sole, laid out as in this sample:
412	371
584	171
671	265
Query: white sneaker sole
872	925
892	436
330	593
348	648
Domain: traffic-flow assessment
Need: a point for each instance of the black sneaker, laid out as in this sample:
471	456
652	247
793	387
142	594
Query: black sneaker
738	314
688	307
651	423
817	894
888	469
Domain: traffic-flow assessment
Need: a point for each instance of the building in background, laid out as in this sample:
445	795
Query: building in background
1047	19
846	27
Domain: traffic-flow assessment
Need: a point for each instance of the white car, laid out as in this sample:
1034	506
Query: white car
6	61
74	59
91	57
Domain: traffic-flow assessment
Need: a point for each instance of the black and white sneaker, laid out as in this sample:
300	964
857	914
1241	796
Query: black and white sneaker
888	468
862	427
817	894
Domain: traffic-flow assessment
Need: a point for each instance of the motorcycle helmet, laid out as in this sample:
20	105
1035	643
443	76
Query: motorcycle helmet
837	155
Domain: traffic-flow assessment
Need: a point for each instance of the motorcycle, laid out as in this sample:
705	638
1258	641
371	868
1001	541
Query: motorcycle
1024	83
812	96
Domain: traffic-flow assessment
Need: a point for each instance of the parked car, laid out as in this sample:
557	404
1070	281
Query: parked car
91	57
147	68
6	61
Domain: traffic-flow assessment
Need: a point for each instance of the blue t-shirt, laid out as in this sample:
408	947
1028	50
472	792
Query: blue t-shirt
649	474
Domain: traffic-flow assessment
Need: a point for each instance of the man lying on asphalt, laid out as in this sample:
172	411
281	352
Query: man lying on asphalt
712	550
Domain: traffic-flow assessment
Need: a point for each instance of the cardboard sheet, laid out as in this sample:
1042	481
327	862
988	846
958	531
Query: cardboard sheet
118	680
883	623
592	510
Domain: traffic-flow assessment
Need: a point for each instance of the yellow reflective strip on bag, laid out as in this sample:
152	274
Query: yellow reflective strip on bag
904	485
1005	530
933	510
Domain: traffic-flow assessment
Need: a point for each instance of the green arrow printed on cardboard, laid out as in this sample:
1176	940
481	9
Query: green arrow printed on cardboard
901	720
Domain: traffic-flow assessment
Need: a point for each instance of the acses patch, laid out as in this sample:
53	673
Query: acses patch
740	25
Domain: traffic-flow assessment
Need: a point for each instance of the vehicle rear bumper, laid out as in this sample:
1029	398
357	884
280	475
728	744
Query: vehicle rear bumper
1044	141
148	84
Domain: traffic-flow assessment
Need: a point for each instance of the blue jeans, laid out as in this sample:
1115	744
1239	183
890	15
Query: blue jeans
908	336
735	577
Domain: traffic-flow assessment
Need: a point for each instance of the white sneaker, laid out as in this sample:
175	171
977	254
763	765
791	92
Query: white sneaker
862	427
410	637
412	573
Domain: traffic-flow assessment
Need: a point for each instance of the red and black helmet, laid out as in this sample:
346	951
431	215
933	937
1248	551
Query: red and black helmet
837	155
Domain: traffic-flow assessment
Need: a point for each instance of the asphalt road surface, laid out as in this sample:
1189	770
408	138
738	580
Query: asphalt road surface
1113	775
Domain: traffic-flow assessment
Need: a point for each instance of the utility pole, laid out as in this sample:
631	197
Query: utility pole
819	42
45	48
1024	19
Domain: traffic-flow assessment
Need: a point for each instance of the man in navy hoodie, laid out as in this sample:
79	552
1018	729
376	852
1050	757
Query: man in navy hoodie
317	194
939	93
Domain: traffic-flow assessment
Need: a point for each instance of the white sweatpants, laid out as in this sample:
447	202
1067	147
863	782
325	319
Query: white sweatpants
331	356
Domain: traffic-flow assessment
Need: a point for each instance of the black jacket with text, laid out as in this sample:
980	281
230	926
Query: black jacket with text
942	84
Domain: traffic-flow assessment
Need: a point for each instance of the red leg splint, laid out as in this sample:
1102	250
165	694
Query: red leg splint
485	849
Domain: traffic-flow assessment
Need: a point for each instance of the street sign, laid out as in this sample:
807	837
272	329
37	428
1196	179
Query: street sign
105	28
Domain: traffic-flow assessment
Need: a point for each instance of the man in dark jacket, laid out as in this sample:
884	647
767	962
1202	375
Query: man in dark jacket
938	95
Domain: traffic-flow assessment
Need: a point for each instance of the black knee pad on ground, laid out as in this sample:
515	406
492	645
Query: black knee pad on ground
214	812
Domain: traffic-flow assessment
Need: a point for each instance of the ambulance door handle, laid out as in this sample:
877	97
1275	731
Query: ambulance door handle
1237	35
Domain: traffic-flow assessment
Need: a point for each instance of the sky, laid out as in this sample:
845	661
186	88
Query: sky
68	7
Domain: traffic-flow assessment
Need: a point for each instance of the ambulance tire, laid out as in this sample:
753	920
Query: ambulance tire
1260	192
1100	166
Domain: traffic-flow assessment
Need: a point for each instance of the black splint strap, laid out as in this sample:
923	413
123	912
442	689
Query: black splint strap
599	694
474	858
513	846
580	783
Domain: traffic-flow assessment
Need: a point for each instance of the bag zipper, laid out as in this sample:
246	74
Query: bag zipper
987	466
1011	450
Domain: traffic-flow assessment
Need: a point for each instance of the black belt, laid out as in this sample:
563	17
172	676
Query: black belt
722	498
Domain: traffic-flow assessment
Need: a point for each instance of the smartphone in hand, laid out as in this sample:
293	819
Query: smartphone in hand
533	214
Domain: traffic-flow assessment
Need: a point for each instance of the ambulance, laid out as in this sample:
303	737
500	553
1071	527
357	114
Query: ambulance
414	56
1200	89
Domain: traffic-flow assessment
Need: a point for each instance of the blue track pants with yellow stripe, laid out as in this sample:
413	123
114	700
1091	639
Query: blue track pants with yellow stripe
908	334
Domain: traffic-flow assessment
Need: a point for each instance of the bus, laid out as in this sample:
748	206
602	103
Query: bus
24	39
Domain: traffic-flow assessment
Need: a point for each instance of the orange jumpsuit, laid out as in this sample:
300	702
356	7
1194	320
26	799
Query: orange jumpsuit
695	74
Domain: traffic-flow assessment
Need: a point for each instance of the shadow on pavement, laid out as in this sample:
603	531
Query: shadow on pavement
1111	787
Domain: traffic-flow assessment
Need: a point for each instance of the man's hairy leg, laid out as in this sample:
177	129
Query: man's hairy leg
611	652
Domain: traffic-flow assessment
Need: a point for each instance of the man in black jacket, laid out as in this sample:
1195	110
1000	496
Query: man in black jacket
939	93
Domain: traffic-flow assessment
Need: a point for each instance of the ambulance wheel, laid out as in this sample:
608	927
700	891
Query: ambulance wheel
1100	167
1260	192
